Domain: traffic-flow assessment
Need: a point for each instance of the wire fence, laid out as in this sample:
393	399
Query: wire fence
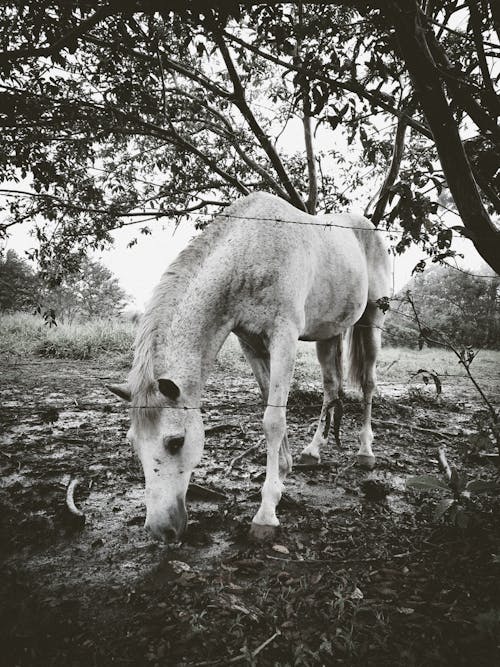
309	223
76	405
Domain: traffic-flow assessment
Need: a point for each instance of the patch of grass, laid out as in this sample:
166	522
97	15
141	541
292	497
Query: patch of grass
24	334
20	333
396	365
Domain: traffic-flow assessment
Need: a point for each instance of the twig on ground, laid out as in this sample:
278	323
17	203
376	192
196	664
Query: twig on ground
70	501
239	658
451	473
341	471
217	428
443	461
420	429
245	453
326	561
196	491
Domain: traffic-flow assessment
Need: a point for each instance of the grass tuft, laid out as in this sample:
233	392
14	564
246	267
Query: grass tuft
24	334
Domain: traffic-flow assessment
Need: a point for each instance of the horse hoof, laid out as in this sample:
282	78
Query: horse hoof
309	459
261	533
365	461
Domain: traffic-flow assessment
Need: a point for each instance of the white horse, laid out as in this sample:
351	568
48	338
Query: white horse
273	275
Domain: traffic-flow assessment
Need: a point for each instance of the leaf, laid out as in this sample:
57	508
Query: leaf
442	507
357	594
280	548
482	486
426	482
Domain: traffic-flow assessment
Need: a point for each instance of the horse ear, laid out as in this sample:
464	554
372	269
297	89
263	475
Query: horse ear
121	390
169	389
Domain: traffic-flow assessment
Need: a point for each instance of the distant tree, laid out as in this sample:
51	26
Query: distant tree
19	285
92	291
463	307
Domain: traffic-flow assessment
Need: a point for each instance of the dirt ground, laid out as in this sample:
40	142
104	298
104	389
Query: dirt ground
358	574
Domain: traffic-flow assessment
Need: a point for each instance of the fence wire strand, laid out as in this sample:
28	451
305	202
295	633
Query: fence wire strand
86	406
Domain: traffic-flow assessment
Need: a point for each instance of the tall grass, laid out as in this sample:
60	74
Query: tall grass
25	334
22	334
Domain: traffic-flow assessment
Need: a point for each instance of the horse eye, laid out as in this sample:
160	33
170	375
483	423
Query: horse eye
174	444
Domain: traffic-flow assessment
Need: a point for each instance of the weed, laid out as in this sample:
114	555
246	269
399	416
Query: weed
458	489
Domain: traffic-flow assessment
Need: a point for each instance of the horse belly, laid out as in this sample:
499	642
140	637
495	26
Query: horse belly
334	303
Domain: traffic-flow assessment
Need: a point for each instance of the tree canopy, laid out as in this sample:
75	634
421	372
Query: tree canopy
126	113
19	285
92	291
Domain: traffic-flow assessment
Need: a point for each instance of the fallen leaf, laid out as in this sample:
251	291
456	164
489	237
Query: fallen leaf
357	594
179	566
280	548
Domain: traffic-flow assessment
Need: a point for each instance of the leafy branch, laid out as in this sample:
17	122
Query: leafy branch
465	358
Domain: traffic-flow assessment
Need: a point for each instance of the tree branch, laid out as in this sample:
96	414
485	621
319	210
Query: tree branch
240	101
459	88
393	171
406	18
230	135
312	177
353	86
66	40
170	63
475	21
312	199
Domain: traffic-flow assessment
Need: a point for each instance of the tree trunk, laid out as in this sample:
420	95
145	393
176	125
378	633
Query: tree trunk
406	18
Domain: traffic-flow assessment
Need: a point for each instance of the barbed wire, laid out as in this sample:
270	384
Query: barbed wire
107	408
122	408
328	225
312	223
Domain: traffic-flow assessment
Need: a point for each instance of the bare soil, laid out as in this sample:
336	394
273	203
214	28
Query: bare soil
358	574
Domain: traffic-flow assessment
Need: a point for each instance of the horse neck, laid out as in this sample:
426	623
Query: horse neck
196	334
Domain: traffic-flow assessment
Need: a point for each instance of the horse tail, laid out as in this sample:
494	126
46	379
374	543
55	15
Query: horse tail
356	339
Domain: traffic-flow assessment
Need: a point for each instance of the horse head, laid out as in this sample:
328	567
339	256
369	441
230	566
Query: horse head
168	437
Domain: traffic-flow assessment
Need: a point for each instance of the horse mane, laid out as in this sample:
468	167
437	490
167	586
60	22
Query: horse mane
154	326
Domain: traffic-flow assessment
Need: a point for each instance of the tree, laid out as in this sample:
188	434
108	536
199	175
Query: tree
462	307
19	285
137	111
92	291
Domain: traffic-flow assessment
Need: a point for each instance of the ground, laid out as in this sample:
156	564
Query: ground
359	573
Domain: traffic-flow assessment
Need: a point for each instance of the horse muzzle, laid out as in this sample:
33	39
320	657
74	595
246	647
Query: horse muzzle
169	525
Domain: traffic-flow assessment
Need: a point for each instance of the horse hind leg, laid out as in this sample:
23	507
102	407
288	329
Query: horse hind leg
259	361
329	353
365	345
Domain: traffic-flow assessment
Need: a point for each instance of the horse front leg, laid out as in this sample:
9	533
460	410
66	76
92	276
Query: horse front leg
282	350
259	360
